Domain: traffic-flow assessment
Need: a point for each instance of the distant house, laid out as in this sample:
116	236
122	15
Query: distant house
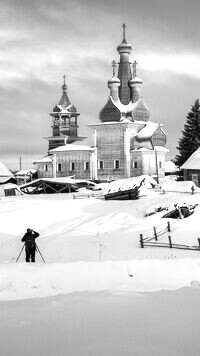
25	175
191	168
9	189
6	176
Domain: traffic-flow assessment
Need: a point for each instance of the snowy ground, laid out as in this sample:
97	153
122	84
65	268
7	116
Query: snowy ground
91	229
92	246
103	324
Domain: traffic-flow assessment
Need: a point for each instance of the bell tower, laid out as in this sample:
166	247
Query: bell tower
64	122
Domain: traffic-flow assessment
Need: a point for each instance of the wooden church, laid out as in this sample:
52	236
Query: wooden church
126	143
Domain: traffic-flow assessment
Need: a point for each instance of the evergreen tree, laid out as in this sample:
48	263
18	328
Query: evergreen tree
190	140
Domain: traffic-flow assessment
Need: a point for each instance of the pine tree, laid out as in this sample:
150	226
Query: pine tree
190	140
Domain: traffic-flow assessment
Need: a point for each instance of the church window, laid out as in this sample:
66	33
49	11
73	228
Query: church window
101	164
72	166
86	166
59	167
160	164
135	165
116	164
45	167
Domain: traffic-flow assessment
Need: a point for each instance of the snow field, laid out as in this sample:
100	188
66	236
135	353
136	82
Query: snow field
93	245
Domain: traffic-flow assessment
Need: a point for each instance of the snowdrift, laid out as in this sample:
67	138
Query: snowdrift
19	281
182	186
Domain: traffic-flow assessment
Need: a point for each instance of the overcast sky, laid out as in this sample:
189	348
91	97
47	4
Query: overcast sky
41	40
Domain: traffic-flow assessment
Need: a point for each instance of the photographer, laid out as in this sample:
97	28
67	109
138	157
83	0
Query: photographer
30	245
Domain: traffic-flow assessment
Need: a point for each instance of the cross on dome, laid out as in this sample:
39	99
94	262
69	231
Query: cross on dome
64	87
124	31
135	69
114	65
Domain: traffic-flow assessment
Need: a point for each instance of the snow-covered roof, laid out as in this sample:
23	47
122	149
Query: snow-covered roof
147	131
71	147
12	185
157	148
193	162
24	172
46	159
161	149
141	149
4	172
66	180
129	183
122	107
4	179
129	107
170	167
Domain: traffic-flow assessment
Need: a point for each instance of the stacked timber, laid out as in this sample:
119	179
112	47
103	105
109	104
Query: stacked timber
129	194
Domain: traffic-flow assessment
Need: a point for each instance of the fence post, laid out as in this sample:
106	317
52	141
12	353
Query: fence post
199	242
170	241
168	226
155	233
141	241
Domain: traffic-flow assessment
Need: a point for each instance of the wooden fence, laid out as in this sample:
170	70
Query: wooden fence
155	242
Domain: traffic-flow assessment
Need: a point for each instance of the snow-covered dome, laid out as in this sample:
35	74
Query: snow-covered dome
113	80
124	47
135	80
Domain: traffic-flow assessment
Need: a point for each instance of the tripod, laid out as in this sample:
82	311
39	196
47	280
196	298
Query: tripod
36	248
20	252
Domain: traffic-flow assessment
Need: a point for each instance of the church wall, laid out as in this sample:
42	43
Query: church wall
146	163
74	163
45	170
110	144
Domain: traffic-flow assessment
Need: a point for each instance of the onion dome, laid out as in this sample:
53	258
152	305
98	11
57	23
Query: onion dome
113	81
64	87
135	81
124	47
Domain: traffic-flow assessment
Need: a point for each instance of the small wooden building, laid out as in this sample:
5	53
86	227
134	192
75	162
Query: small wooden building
191	168
69	160
25	175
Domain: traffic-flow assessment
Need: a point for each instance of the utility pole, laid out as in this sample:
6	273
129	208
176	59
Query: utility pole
20	163
156	157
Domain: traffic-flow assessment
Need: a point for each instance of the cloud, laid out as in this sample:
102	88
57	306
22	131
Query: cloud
42	40
182	63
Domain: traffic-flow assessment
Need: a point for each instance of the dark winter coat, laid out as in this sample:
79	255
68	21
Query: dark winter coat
29	239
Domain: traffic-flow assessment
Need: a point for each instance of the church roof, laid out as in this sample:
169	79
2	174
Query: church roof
193	162
147	132
64	101
125	99
110	111
67	110
71	147
114	110
46	159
